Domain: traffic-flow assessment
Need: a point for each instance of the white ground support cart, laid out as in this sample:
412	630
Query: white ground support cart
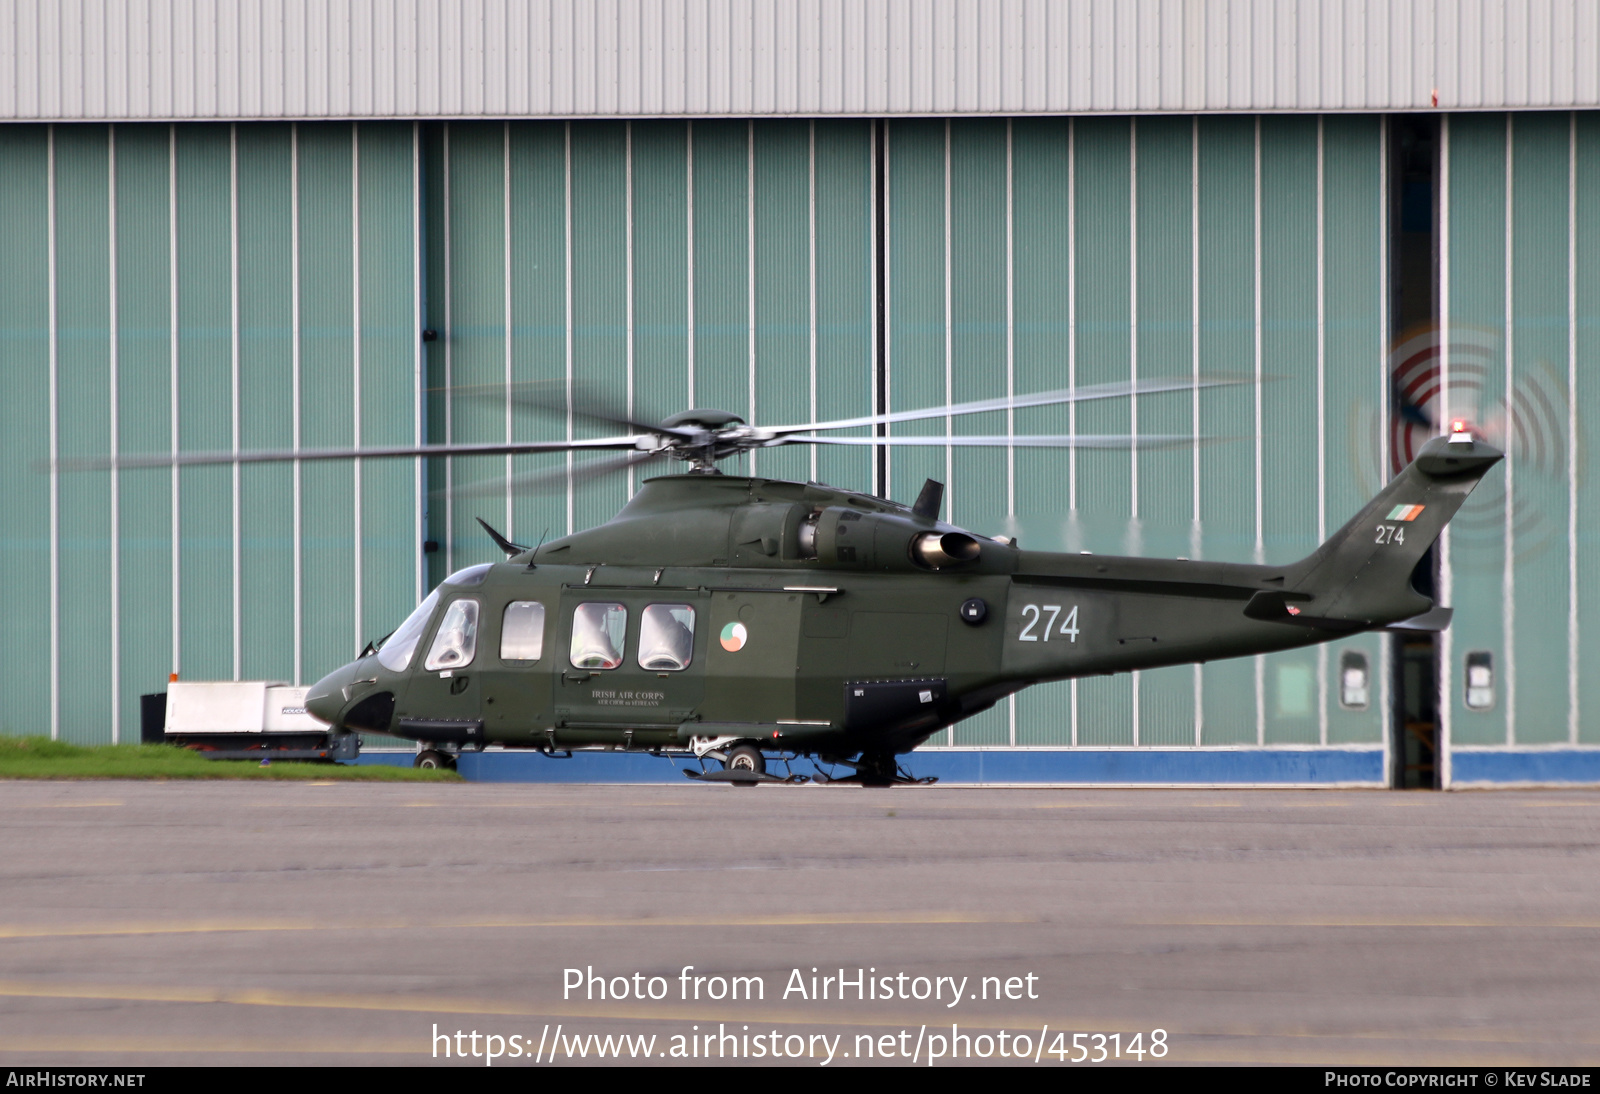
243	720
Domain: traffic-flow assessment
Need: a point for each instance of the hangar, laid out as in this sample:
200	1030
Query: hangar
303	224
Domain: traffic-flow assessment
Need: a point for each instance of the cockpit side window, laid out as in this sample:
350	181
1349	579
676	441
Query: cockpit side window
397	650
522	631
457	641
666	637
598	633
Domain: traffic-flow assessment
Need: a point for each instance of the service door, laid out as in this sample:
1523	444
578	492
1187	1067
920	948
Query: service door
631	661
754	643
443	700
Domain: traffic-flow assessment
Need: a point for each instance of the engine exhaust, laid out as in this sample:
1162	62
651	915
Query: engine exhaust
937	550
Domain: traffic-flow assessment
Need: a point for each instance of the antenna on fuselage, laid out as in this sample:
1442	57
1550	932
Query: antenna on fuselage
535	554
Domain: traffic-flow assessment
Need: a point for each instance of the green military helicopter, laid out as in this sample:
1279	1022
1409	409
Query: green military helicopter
739	618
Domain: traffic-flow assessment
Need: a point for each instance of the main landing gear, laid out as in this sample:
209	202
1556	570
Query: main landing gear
433	759
746	758
743	764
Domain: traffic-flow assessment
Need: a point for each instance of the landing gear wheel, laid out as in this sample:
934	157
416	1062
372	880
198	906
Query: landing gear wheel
434	760
746	758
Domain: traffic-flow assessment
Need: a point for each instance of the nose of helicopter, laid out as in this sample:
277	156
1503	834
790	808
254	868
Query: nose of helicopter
326	698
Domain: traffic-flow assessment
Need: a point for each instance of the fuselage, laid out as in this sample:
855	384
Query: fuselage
804	618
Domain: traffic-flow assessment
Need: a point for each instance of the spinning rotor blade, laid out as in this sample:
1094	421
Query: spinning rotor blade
1081	440
289	455
1017	402
550	397
535	482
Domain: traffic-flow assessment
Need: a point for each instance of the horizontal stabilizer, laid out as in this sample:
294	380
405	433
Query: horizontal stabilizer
1429	622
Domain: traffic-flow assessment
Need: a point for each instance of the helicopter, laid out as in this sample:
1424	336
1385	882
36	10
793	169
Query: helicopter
743	619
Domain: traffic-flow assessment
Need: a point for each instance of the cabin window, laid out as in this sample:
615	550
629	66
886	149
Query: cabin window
457	640
666	637
395	654
522	631
598	632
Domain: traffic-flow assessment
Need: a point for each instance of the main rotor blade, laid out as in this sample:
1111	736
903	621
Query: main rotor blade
550	397
1018	402
306	455
535	482
1078	440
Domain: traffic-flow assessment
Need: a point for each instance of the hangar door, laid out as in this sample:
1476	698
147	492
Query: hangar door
661	265
1519	332
783	268
201	288
1046	253
169	282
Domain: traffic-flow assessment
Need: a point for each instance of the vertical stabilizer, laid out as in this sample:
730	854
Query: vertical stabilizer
1361	577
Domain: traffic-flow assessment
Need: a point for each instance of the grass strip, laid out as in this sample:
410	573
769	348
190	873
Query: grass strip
42	758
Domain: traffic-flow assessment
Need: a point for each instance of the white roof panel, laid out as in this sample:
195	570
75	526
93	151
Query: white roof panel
68	60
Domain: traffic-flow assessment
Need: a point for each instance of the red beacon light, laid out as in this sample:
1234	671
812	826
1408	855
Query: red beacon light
1460	431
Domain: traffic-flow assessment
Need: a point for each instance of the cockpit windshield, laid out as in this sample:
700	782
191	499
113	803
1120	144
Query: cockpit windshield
396	652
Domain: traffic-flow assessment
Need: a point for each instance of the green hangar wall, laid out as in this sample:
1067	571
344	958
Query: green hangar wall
208	287
750	265
201	288
1520	303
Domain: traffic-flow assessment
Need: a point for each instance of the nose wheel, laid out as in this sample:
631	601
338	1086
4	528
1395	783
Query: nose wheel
434	760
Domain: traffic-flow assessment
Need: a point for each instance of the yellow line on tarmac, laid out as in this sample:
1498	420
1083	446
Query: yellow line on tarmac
283	1048
1397	921
729	1012
788	919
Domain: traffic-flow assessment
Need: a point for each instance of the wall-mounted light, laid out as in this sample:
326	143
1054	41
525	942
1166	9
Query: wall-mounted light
1480	680
1355	680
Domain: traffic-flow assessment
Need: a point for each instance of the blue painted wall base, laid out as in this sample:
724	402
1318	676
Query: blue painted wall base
976	767
1510	767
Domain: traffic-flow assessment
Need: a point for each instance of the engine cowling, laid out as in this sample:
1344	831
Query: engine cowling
839	536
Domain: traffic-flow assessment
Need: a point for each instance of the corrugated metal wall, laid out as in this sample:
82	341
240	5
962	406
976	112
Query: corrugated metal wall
1039	254
1520	307
186	59
659	265
202	288
211	276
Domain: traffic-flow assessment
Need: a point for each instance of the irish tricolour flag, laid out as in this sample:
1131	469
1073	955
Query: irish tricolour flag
1405	512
